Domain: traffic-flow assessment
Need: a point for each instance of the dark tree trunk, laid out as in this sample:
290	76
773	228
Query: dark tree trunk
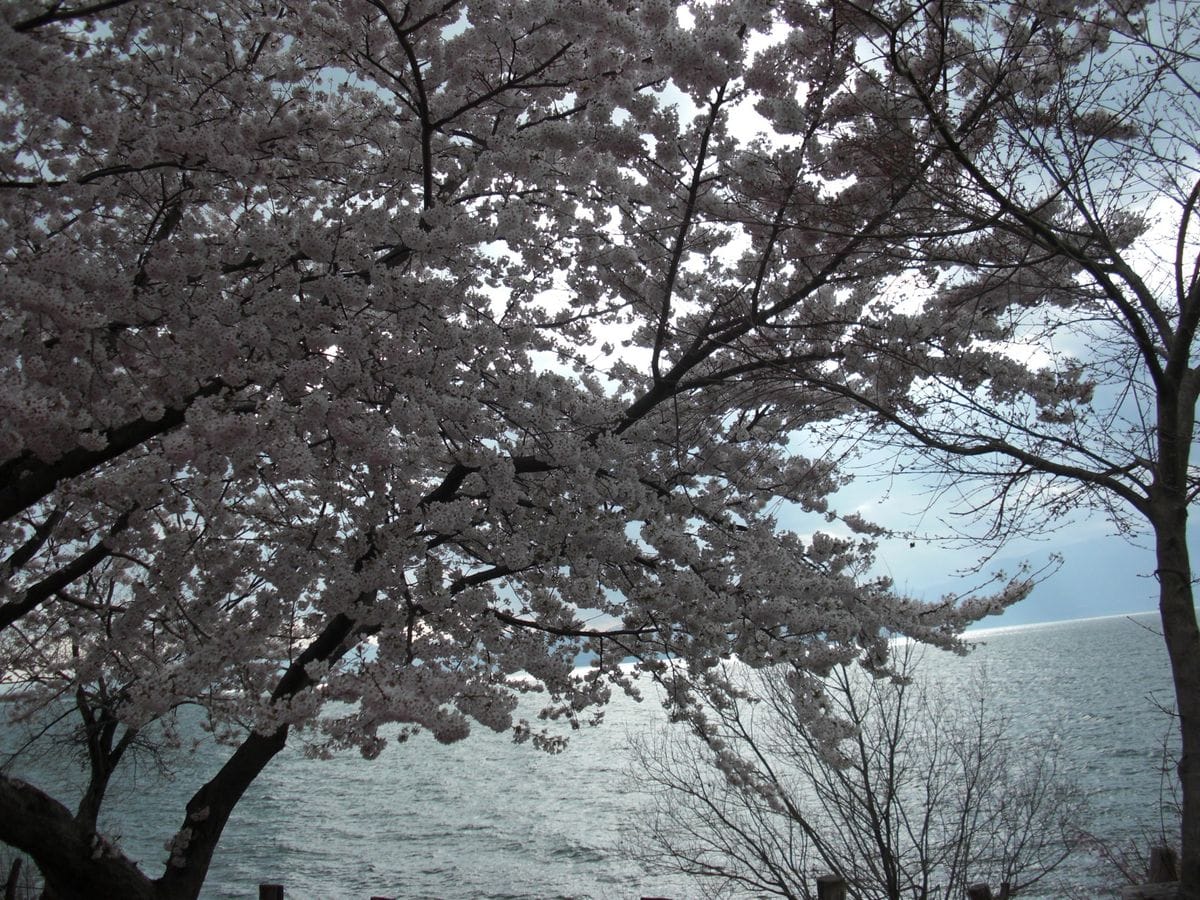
209	810
1167	512
78	865
210	807
65	846
73	861
1178	614
104	754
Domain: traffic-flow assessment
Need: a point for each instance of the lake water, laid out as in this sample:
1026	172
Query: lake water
487	818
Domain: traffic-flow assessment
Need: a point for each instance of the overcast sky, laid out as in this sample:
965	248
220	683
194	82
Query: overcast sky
1101	573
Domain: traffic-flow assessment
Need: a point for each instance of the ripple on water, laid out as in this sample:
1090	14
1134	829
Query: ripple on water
491	819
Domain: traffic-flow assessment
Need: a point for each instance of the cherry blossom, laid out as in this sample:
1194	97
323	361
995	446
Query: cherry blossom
307	414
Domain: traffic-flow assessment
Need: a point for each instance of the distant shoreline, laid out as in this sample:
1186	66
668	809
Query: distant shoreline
1024	626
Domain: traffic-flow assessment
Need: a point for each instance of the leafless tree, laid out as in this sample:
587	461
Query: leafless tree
920	794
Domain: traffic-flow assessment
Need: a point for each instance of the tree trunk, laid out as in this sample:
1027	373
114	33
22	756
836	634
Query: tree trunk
210	807
74	862
104	754
209	810
1178	614
77	865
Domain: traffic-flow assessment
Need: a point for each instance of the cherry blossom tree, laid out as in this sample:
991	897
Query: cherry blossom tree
1048	321
307	395
310	415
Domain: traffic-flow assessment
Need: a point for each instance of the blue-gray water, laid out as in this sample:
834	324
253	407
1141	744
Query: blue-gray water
487	818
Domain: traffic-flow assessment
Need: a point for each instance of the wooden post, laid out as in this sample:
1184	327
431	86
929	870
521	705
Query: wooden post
1163	865
14	875
270	892
979	892
831	887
